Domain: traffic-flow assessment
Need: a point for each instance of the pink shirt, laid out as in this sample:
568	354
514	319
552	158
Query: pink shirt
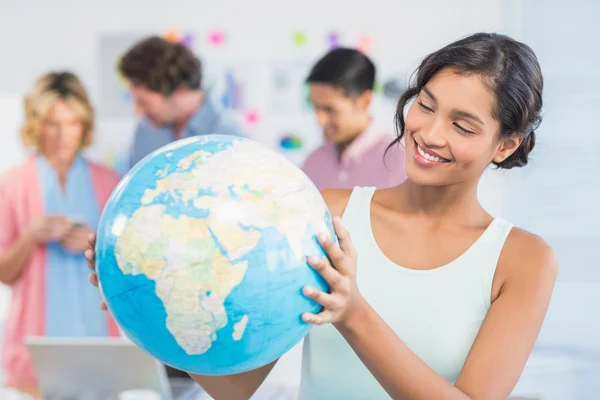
361	164
21	203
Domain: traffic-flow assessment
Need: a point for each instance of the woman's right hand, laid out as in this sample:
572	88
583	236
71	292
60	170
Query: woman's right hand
90	255
50	229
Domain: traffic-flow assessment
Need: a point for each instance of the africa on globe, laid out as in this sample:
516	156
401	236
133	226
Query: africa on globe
201	254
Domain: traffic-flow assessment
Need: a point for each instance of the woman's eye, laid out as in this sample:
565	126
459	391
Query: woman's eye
463	130
424	107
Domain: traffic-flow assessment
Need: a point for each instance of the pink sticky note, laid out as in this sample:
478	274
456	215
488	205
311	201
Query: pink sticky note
364	44
251	117
216	38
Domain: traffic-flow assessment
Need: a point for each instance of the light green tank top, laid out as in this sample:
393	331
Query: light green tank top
437	313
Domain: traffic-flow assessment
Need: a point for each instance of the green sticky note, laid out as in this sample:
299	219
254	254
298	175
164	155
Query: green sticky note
377	87
299	38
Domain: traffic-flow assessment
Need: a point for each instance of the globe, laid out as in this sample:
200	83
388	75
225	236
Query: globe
201	254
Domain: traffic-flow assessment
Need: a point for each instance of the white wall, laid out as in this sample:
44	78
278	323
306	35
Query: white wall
556	196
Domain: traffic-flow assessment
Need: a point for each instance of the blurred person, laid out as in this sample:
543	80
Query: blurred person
165	81
341	91
48	206
430	296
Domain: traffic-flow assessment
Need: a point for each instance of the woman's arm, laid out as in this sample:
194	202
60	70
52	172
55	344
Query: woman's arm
14	253
14	249
234	387
499	352
14	257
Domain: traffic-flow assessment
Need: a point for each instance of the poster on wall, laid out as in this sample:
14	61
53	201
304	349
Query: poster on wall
236	87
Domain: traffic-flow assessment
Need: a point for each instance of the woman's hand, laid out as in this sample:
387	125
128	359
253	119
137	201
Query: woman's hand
91	260
76	240
344	295
49	229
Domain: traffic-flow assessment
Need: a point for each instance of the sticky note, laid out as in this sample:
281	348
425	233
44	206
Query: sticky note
333	40
299	38
174	35
171	35
187	40
216	38
364	44
290	142
251	117
377	87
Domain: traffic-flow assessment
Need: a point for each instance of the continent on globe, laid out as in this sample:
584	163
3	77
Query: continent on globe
192	277
234	183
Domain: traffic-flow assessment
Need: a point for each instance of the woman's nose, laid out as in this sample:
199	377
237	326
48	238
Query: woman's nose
434	135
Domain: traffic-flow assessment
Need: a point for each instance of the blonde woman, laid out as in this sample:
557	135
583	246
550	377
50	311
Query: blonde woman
48	206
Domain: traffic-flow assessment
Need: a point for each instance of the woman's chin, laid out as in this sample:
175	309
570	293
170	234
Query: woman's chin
425	176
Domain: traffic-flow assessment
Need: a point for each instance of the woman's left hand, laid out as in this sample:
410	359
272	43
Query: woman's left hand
344	295
76	240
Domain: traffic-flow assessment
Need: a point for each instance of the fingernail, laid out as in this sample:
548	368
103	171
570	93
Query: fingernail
312	259
308	290
321	237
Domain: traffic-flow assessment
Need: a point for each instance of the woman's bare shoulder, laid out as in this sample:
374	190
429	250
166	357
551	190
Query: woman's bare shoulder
527	257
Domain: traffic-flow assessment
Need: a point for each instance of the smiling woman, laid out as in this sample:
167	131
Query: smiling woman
503	101
436	298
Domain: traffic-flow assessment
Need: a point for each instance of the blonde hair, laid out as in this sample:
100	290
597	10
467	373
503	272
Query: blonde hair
47	90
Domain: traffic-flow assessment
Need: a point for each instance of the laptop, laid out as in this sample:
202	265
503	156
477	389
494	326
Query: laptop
82	368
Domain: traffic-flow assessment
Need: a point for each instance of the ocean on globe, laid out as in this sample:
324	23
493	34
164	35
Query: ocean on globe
201	254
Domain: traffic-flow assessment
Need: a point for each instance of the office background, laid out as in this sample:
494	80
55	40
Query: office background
256	55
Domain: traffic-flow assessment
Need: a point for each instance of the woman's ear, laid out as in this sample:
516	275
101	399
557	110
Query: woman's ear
506	147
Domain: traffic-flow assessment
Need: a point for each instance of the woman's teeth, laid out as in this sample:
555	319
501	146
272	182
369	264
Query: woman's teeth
429	156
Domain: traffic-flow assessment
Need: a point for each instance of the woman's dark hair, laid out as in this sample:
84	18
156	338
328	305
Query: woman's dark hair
514	76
